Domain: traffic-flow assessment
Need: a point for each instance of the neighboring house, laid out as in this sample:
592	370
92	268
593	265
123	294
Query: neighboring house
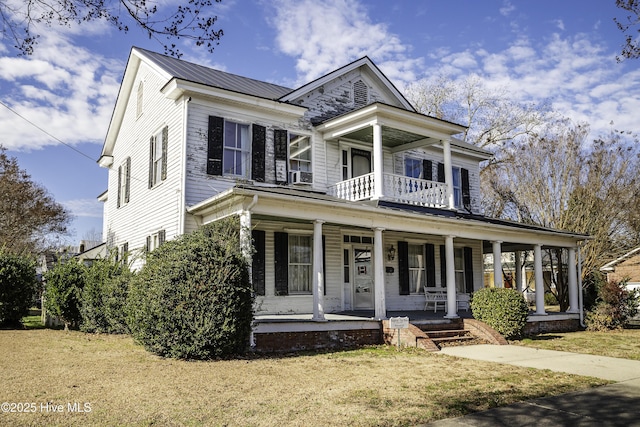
91	251
627	267
354	201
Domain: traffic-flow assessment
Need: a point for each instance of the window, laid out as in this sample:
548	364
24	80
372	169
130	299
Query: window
299	154
158	157
140	99
457	186
155	240
300	264
123	253
236	149
412	167
124	182
458	262
417	269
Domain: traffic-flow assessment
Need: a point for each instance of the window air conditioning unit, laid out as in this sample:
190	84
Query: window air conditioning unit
299	177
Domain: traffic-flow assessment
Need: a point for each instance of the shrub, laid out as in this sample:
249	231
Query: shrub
505	310
614	307
17	287
104	297
192	299
63	291
550	299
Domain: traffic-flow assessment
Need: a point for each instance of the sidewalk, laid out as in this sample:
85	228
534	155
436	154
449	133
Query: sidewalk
613	405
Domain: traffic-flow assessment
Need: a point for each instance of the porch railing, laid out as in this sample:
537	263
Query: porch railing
354	189
398	188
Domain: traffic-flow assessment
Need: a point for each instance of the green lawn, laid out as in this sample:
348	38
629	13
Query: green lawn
122	384
624	343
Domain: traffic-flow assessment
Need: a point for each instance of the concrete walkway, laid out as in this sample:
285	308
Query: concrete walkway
613	405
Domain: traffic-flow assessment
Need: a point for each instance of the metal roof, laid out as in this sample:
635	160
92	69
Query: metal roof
195	73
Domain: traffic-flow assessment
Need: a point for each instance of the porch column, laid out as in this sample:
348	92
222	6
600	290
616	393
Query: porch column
573	281
246	243
452	305
518	270
537	268
448	173
318	274
497	264
378	182
378	268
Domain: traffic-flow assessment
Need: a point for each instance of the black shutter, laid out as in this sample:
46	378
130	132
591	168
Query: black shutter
430	251
258	142
151	144
280	146
162	236
440	172
443	266
281	241
258	262
466	193
468	269
427	170
403	267
324	265
165	145
127	183
148	244
214	145
119	185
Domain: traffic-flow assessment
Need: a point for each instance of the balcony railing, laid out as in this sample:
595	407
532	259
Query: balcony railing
397	188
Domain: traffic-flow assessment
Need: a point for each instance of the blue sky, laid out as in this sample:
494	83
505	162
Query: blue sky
560	52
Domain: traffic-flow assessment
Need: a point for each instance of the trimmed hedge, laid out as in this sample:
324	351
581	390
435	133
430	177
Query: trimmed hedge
505	310
63	291
192	299
104	297
17	287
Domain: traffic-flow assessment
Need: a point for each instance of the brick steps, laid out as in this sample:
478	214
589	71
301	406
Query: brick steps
448	333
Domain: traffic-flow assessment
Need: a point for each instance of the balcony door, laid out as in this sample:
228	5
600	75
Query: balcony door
360	162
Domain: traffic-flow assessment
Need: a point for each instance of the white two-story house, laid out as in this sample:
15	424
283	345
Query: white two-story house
352	200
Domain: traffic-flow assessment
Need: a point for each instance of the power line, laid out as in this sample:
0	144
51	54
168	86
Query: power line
46	133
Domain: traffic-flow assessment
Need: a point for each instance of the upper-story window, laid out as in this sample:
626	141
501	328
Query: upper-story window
140	99
412	167
237	145
158	157
457	187
124	182
299	158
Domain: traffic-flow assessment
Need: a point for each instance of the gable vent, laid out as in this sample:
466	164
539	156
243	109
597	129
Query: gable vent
360	94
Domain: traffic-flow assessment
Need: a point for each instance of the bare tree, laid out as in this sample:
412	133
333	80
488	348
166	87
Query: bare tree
561	180
631	48
29	217
191	20
493	119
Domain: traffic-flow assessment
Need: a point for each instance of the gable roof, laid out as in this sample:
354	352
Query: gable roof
610	266
362	62
201	74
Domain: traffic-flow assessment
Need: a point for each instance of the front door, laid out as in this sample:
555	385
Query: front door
363	279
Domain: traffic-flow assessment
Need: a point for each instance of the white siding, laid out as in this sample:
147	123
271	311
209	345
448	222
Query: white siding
148	210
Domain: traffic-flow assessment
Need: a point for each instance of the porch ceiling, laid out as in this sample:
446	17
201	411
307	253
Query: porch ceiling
391	137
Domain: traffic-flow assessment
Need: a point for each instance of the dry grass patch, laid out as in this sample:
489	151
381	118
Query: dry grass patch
624	344
378	386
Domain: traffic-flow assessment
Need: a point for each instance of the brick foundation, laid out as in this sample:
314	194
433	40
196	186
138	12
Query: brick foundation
561	325
314	340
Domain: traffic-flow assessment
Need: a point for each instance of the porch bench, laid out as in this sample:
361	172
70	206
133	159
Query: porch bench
440	296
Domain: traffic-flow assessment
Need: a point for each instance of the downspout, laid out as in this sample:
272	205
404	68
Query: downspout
581	290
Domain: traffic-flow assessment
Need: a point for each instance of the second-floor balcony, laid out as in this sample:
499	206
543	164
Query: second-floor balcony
397	188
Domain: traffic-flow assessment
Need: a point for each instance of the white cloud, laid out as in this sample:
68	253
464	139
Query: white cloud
324	36
559	23
89	208
506	8
63	88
